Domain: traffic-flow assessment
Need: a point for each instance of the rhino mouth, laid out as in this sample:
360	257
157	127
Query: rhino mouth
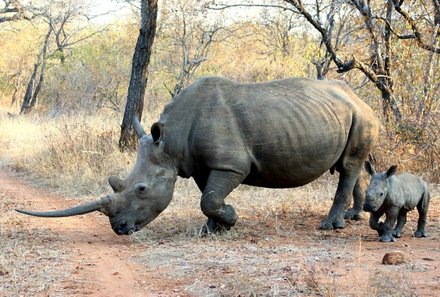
137	227
126	230
131	231
369	208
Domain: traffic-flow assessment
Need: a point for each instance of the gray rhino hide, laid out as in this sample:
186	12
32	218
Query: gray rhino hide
279	134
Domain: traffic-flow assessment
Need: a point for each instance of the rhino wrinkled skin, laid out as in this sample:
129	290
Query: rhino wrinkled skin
279	134
394	196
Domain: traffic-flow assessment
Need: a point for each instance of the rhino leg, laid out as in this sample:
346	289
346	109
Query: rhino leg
374	222
335	218
422	208
388	225
354	213
220	215
211	225
401	221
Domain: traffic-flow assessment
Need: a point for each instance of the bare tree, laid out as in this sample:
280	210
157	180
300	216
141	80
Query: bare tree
59	15
35	84
280	26
336	22
429	21
14	10
192	30
277	31
139	73
346	26
376	66
378	23
424	29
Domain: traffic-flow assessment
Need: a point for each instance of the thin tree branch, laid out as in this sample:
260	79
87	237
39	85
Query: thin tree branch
387	23
227	6
86	37
415	28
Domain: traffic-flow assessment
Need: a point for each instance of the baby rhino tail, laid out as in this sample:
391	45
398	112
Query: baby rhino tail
424	202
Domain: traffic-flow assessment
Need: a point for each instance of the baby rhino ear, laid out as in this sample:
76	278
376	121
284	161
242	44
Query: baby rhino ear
370	168
391	171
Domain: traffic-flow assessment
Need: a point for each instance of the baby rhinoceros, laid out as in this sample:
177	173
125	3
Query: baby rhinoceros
394	196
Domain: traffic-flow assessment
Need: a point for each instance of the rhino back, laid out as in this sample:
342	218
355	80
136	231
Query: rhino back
280	134
406	190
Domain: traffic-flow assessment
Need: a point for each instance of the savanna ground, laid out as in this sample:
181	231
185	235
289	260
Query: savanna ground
275	249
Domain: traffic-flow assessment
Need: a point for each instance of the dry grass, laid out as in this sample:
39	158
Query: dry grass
75	155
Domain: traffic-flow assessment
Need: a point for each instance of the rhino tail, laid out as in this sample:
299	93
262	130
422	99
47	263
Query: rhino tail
424	202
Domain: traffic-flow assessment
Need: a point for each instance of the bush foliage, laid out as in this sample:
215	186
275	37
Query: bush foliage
73	129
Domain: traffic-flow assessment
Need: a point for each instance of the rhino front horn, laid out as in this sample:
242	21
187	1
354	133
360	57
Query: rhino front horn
97	205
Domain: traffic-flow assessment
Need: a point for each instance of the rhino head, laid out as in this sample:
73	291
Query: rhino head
377	190
142	196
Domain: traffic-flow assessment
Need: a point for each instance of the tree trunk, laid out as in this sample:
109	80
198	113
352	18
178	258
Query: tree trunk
31	94
26	105
389	106
139	75
39	85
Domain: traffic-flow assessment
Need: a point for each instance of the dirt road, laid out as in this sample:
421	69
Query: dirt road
95	260
279	255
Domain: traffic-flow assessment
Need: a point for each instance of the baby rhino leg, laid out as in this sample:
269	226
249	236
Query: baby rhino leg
388	225
401	221
374	222
422	208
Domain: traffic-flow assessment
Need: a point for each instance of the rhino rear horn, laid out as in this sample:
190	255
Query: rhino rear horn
138	128
117	184
97	205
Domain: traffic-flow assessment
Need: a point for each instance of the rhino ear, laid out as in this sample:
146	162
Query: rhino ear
370	168
391	171
157	132
116	183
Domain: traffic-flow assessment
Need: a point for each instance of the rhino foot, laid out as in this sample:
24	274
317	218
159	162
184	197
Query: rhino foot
387	238
213	227
397	233
354	214
419	234
331	225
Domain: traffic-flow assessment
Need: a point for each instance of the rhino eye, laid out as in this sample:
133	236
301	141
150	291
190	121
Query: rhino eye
141	190
381	194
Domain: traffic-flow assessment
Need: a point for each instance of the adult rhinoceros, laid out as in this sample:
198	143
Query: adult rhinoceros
280	134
